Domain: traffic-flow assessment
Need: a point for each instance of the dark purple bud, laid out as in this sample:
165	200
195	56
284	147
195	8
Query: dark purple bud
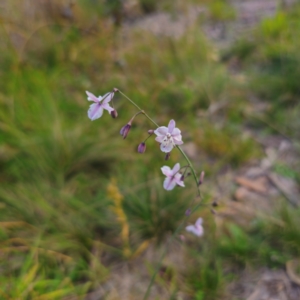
142	148
215	203
114	114
201	178
124	130
182	238
167	155
150	131
182	177
188	212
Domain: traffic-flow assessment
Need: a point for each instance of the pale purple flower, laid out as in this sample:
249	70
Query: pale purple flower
173	177
96	110
196	229
168	137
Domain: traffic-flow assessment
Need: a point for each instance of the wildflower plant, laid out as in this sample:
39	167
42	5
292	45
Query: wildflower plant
169	137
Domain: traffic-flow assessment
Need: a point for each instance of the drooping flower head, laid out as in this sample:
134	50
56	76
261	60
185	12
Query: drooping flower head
96	109
125	130
173	177
114	114
196	229
141	147
168	137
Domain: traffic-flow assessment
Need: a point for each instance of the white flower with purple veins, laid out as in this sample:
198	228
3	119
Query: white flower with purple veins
173	177
96	110
168	137
196	229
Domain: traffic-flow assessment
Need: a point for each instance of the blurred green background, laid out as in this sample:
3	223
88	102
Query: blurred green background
82	214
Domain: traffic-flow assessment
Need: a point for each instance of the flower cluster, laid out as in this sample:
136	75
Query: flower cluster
168	137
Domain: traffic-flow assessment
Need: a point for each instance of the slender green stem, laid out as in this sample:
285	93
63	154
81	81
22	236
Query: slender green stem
143	112
165	252
160	261
186	217
148	137
192	169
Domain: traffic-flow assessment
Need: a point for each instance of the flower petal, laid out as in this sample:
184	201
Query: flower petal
107	97
199	222
95	111
178	180
176	168
178	142
166	171
166	147
177	137
195	230
159	139
200	230
107	107
176	131
92	97
171	126
169	184
191	228
161	131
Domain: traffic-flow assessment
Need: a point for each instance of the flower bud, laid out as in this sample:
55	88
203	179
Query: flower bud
188	212
124	130
142	147
114	114
182	177
150	131
115	90
201	178
182	238
167	155
215	203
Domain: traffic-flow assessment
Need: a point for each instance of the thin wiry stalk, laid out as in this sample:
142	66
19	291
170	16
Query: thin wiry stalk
187	216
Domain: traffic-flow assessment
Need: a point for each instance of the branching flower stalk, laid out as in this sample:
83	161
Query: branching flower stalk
178	147
169	138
